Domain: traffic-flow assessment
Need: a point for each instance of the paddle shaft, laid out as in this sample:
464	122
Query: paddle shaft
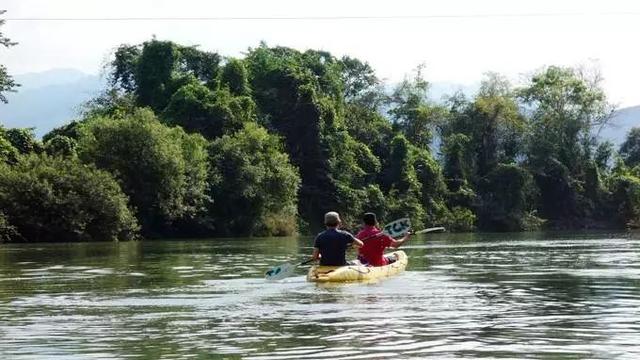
429	230
305	262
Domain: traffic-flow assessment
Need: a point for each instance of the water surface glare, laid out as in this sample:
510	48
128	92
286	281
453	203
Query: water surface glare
539	295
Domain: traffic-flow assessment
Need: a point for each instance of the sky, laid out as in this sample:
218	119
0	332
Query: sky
457	40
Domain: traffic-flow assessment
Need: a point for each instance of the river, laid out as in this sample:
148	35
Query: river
535	295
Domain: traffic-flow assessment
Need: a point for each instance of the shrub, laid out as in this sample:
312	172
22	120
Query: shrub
55	199
255	184
163	170
61	145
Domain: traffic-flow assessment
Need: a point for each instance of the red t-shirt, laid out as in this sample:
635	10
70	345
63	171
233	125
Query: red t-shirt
373	249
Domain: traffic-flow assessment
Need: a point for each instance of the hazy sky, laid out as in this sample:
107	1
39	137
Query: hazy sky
455	44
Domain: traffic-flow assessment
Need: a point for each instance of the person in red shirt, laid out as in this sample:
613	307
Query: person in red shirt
375	241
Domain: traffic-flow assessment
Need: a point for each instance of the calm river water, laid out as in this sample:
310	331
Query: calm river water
540	295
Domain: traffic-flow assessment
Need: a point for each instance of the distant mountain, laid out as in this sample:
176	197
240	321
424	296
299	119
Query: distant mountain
621	122
439	91
48	99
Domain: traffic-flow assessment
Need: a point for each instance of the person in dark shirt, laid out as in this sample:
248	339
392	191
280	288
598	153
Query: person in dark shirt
331	245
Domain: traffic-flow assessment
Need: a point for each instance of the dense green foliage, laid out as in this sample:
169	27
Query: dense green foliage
630	149
8	153
254	177
163	170
23	140
54	199
61	145
211	113
264	145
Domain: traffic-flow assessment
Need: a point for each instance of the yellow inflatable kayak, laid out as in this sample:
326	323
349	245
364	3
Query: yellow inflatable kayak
348	273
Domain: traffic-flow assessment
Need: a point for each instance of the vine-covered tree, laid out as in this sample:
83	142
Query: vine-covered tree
255	187
163	170
300	96
198	109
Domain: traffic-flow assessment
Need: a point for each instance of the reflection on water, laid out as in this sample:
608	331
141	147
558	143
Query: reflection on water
495	296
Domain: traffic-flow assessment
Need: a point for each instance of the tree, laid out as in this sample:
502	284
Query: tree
70	130
24	140
630	148
603	155
625	200
182	84
505	198
7	84
47	198
236	78
360	83
61	145
111	103
412	113
370	128
456	163
124	66
492	123
400	178
299	96
8	153
155	73
481	144
434	189
154	70
252	173
566	105
499	126
8	232
163	170
565	108
211	113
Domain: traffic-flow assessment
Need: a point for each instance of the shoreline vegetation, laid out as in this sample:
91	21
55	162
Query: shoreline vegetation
189	143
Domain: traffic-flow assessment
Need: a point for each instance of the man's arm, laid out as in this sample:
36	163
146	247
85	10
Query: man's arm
316	254
316	248
396	243
357	243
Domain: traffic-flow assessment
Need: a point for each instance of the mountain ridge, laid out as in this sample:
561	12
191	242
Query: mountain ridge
48	99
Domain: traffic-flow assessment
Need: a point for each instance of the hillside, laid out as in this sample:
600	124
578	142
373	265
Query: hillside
48	99
620	124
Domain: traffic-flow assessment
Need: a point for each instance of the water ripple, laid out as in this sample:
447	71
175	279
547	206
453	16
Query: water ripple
540	297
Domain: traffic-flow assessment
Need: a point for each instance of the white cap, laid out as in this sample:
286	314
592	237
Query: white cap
332	218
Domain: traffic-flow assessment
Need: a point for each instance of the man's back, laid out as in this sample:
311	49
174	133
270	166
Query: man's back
375	241
333	245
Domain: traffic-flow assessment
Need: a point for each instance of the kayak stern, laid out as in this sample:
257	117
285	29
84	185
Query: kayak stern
350	273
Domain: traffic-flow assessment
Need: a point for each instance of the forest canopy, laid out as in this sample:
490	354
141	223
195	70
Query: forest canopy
193	143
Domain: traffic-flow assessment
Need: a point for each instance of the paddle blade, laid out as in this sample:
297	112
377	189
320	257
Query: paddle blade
397	228
279	272
430	230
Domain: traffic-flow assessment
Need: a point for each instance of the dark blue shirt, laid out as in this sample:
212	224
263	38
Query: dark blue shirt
333	245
